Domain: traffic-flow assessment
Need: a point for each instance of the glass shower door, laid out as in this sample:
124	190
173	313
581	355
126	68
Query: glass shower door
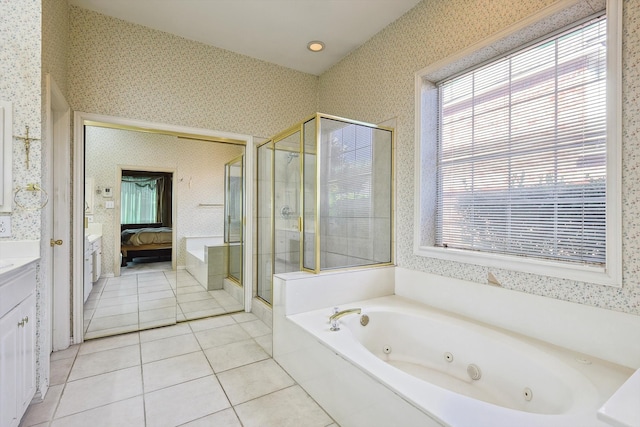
234	206
286	194
278	211
264	210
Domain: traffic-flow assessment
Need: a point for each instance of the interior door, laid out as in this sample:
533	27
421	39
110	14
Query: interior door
58	212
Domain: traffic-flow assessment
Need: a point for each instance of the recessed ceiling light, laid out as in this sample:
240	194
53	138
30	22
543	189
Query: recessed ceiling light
315	46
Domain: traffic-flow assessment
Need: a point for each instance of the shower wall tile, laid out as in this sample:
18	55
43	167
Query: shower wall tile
375	83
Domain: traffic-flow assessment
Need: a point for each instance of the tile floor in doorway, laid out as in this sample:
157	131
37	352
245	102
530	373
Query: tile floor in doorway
146	298
210	372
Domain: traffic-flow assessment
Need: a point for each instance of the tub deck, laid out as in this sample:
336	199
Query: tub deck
596	380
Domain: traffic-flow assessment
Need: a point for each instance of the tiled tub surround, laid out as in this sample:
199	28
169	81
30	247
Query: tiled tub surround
353	384
206	260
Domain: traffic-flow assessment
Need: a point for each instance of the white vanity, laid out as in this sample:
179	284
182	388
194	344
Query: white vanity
92	257
17	333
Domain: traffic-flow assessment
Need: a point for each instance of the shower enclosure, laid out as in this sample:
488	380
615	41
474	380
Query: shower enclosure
325	198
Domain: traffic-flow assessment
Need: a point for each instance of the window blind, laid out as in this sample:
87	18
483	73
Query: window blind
522	151
349	177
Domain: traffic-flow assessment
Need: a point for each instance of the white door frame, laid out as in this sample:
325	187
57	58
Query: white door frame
78	196
58	185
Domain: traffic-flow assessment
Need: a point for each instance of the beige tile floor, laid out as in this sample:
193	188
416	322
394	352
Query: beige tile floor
146	298
209	372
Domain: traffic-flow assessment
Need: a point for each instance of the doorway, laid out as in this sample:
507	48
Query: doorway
192	197
57	257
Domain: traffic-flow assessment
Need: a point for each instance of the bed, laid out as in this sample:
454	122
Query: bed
145	240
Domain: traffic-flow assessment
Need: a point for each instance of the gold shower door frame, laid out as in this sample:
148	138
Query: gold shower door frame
316	202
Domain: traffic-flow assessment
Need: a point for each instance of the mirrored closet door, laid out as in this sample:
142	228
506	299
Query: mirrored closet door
163	227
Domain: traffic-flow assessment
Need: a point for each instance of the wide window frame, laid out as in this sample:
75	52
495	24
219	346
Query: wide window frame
563	14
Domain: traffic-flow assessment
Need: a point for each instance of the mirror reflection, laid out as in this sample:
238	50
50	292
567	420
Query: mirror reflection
163	230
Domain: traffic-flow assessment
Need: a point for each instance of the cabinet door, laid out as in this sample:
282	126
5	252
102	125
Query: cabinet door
88	274
27	352
9	332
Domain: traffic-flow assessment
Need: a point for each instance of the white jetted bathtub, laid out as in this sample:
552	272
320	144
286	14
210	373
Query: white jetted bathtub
446	369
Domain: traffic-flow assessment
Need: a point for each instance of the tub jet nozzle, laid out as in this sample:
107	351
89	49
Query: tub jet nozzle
474	372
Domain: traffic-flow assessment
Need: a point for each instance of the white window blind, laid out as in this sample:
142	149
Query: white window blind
349	175
522	152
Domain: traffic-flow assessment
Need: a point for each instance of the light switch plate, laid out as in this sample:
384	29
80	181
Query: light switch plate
109	204
5	226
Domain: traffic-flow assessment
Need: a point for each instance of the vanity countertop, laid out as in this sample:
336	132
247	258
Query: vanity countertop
11	264
15	254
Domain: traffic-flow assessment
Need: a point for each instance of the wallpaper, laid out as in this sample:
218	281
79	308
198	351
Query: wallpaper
20	84
199	178
126	70
376	83
55	41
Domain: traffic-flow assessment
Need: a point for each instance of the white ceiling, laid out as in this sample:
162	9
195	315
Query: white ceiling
275	31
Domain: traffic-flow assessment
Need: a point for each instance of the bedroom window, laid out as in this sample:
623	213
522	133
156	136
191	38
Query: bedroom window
141	199
522	155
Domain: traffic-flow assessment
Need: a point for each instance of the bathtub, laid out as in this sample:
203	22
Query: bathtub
412	365
206	260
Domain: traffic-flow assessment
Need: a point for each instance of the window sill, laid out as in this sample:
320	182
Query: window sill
581	273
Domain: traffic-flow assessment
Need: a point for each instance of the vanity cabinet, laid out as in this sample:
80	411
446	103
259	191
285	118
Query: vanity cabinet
96	254
88	269
17	343
92	262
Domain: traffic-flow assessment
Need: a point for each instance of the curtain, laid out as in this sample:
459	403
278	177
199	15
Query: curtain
141	199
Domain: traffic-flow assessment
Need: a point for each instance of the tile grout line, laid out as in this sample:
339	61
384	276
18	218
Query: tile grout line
201	349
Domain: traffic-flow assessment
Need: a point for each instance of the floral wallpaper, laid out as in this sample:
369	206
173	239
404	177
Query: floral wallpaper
20	83
127	70
20	62
108	66
376	83
198	178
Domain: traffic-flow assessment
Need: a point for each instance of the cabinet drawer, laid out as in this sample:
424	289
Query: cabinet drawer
16	287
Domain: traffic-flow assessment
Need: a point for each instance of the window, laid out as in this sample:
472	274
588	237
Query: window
522	152
518	159
145	198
